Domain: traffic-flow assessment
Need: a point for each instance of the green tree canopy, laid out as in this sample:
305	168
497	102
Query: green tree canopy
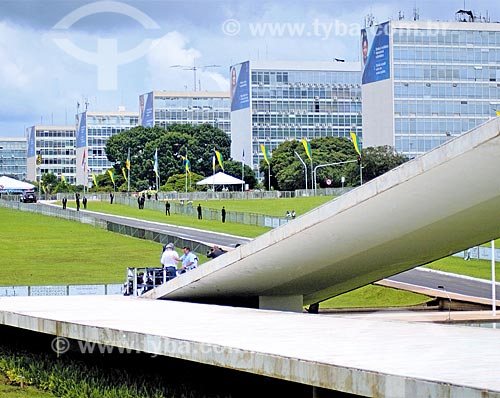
375	162
173	145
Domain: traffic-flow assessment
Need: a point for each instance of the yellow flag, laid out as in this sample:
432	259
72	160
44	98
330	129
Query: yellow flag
124	174
63	179
354	138
94	179
497	112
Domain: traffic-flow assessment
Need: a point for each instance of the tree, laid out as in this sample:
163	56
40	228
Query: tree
375	162
287	171
234	168
172	144
177	182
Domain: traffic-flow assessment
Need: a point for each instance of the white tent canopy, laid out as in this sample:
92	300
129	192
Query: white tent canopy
11	184
220	179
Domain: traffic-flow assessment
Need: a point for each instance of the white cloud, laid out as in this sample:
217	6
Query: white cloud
171	63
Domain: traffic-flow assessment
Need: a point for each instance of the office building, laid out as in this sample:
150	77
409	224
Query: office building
93	131
13	157
161	108
51	149
275	101
426	82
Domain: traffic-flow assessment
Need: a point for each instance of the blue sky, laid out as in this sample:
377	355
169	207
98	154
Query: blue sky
55	53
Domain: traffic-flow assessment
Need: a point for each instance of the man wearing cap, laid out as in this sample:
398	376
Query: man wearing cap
169	260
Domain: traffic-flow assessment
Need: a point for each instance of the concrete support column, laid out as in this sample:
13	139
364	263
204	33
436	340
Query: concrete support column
282	303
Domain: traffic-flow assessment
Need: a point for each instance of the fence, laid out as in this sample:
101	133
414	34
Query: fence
61	290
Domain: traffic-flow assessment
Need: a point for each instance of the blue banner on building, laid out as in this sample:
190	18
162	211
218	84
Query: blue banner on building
146	110
375	57
81	130
240	86
31	143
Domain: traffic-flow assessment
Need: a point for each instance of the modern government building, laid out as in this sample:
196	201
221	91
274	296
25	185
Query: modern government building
13	157
272	102
92	131
161	108
426	82
418	84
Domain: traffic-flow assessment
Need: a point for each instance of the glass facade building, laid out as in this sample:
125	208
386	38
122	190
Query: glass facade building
444	80
13	157
272	102
56	147
161	108
93	131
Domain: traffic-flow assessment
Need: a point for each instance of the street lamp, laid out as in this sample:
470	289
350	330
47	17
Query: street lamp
328	164
305	167
449	299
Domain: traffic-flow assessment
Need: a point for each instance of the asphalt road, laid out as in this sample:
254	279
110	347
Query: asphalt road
198	235
451	283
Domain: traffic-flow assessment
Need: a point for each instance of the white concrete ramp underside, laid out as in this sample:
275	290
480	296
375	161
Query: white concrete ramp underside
435	205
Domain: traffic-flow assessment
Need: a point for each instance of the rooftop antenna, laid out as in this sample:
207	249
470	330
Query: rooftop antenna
369	19
416	15
194	68
401	15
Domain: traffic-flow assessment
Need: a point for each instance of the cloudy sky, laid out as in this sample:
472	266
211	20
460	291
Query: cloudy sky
57	53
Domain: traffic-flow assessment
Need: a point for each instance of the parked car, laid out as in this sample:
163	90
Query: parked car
28	197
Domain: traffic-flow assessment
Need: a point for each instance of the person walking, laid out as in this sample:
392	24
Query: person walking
77	197
198	209
64	202
84	201
223	214
111	197
167	208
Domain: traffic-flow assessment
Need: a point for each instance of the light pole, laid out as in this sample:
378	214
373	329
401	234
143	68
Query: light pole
449	300
305	167
493	281
328	164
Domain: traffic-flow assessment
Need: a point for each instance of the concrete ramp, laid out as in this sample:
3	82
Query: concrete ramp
435	205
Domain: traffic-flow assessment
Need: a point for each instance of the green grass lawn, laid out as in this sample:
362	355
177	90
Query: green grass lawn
38	249
270	207
374	296
10	391
457	265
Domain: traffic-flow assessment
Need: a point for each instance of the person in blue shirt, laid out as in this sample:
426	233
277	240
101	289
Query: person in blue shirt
189	260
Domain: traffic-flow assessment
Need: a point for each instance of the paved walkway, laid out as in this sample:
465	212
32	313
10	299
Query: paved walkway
366	355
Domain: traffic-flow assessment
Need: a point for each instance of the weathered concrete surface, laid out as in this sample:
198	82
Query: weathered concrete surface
433	206
369	357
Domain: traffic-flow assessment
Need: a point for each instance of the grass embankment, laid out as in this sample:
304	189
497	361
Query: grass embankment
42	250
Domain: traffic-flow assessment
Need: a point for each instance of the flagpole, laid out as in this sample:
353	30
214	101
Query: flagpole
213	173
128	171
243	176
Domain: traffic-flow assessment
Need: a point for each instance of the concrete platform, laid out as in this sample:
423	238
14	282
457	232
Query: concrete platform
369	357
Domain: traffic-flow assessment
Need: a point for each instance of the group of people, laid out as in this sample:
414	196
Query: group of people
77	201
200	213
170	258
290	214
